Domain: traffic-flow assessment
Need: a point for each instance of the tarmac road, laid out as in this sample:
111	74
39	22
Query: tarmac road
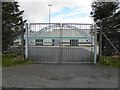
60	76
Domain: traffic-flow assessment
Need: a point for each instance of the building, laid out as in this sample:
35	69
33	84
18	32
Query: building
54	36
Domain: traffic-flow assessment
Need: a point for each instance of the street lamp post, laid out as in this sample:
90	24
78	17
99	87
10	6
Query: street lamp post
49	11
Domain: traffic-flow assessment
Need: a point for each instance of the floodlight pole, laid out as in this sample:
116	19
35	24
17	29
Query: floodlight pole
49	11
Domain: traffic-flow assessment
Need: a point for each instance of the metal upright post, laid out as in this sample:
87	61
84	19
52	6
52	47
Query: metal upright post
26	41
100	42
95	43
60	42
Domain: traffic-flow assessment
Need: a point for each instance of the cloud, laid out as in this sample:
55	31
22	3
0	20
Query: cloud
61	11
86	19
72	13
34	10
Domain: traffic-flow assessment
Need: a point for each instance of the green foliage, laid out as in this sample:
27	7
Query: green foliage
12	60
113	61
109	14
102	10
11	23
13	50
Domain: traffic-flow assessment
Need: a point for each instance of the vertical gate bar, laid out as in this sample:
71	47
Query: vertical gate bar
74	41
33	40
85	59
36	36
51	49
69	50
41	54
39	48
76	45
40	41
30	42
54	48
60	43
95	43
77	42
84	41
35	55
91	41
81	40
36	43
26	41
83	44
90	47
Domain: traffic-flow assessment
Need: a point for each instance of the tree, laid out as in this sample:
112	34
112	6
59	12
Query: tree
12	20
109	14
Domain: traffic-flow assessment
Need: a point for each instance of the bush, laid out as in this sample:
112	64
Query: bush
13	50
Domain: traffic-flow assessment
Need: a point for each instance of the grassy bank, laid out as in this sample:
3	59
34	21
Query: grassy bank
111	61
12	60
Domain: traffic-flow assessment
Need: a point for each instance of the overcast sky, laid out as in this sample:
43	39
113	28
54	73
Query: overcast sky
68	11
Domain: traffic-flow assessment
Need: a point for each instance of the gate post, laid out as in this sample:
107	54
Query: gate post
26	41
95	43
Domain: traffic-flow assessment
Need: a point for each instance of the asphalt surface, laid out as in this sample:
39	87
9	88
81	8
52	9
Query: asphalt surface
60	76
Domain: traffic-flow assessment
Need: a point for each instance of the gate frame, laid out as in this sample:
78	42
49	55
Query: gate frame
95	42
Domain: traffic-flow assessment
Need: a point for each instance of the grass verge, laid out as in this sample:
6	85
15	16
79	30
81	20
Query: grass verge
113	61
13	60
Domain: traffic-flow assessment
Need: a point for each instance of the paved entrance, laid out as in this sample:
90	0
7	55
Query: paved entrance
60	76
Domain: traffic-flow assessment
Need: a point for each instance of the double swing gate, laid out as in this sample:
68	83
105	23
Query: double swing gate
61	42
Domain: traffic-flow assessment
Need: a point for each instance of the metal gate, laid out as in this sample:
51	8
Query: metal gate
61	42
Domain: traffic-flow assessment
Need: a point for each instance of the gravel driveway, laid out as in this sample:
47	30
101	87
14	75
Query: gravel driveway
60	76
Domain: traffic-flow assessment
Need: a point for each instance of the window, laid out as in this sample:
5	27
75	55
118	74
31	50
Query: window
73	42
39	42
53	42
